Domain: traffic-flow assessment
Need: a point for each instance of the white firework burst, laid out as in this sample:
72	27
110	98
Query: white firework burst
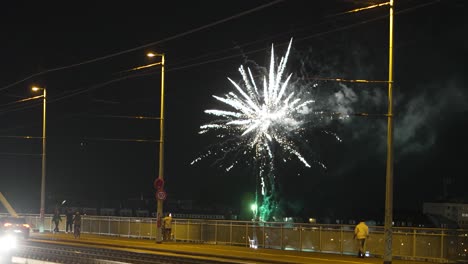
259	121
262	115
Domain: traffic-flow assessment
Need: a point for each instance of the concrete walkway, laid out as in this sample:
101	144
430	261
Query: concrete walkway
242	254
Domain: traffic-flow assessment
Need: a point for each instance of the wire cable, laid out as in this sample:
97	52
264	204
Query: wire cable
146	45
83	90
80	91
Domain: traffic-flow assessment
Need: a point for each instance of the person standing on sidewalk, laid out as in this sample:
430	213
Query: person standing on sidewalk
69	223
361	233
56	219
77	224
167	227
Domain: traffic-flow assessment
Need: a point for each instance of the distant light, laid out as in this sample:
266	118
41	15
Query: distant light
150	54
35	88
253	207
7	242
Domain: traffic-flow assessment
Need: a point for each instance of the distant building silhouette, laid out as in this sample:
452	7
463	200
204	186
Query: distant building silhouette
447	214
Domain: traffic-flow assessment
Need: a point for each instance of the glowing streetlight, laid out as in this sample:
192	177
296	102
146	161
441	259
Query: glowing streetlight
161	137
42	209
151	54
253	207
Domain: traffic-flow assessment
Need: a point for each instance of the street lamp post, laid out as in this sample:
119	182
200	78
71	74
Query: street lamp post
389	170
42	209
159	211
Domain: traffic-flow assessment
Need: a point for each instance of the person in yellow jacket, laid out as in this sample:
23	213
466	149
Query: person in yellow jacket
361	233
167	227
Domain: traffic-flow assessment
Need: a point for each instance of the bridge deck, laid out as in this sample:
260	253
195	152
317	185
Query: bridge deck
243	254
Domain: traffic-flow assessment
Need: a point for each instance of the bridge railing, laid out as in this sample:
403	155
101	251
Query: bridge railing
430	244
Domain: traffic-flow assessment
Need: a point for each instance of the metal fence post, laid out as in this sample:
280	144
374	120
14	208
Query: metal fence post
216	233
263	235
341	240
139	230
230	234
247	233
282	236
300	237
118	226
442	244
320	239
201	231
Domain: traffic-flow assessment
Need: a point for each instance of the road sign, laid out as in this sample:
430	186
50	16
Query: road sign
161	195
158	184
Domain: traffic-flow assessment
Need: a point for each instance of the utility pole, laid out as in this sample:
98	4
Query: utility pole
389	171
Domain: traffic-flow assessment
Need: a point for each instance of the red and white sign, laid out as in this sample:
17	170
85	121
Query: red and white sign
161	195
158	184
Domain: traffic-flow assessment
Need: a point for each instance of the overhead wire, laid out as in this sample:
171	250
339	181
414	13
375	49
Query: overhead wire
197	29
315	35
79	91
226	57
83	90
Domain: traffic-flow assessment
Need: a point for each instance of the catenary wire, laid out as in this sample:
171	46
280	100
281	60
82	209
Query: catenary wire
83	90
146	45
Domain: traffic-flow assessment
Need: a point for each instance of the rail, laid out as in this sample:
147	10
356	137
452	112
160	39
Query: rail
411	243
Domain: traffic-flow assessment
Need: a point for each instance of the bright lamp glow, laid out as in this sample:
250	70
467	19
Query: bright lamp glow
7	242
36	88
253	207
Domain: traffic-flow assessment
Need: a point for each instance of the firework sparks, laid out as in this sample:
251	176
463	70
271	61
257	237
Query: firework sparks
257	118
262	117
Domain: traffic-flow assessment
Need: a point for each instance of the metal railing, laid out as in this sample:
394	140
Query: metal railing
427	244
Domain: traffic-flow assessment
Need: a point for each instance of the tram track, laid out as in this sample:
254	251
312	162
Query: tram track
91	254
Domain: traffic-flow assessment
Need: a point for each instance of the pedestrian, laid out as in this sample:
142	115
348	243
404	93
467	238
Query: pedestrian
167	227
56	218
77	224
361	233
69	224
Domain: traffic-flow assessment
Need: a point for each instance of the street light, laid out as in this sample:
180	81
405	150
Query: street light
389	169
42	210
159	211
160	178
253	207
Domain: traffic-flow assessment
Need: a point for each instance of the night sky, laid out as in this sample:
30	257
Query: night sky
80	53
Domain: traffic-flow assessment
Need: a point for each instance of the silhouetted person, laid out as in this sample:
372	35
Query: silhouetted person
69	224
56	218
361	233
77	224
